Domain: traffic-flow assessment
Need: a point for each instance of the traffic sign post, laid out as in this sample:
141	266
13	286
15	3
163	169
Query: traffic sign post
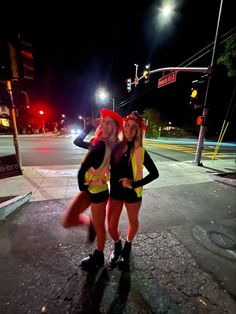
167	79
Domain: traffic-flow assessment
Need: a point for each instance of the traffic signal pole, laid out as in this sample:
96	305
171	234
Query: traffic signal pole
197	160
13	121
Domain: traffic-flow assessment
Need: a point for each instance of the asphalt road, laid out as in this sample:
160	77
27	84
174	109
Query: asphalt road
60	150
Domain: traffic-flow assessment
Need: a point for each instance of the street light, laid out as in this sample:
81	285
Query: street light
41	112
103	95
136	75
84	120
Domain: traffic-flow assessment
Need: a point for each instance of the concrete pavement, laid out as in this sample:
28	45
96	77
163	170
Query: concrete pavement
55	182
186	268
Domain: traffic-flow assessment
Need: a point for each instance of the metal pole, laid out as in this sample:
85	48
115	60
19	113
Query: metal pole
197	160
13	121
113	104
136	75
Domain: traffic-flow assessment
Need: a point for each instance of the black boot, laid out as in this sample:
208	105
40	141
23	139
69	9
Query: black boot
123	262
115	255
93	262
91	232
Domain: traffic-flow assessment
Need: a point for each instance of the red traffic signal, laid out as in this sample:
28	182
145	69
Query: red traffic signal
41	112
201	120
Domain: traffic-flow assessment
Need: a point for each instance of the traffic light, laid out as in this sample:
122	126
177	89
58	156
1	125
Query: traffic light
197	93
146	74
9	67
201	120
27	60
16	59
129	84
41	112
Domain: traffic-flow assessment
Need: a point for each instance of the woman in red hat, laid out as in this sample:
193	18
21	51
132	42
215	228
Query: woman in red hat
92	179
126	182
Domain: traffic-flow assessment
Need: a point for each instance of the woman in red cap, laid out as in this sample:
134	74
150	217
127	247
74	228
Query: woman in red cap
92	179
126	182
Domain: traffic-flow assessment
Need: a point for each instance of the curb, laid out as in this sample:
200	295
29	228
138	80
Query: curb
9	206
219	177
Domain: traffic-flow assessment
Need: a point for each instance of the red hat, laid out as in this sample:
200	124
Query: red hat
112	114
137	118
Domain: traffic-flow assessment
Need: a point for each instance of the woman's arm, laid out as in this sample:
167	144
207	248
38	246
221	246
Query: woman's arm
79	141
93	159
151	168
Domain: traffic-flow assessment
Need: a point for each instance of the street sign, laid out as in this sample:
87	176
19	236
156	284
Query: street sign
167	79
9	167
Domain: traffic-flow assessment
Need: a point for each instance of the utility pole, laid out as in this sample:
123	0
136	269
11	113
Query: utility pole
13	121
197	160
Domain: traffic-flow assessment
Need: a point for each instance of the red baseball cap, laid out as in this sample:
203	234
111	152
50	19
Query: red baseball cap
112	114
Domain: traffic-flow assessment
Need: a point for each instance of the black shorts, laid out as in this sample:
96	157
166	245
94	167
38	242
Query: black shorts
98	197
125	195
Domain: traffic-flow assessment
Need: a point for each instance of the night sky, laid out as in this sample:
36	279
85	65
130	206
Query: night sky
78	48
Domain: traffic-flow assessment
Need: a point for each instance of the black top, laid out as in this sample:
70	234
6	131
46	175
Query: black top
79	141
124	169
93	159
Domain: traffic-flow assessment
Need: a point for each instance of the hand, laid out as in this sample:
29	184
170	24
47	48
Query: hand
126	183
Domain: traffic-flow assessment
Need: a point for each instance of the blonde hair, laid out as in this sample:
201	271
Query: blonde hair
121	147
109	144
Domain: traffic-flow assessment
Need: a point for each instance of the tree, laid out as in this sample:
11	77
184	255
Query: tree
154	121
228	57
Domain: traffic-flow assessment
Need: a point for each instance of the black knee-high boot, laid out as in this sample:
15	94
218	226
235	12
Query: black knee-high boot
123	262
115	255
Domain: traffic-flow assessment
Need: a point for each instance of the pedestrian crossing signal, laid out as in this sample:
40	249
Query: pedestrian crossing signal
201	120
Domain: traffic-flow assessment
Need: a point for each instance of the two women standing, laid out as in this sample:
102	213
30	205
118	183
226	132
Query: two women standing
123	163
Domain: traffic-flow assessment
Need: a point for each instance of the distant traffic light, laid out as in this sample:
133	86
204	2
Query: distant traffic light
129	84
146	74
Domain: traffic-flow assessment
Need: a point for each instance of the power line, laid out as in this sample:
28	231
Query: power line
145	90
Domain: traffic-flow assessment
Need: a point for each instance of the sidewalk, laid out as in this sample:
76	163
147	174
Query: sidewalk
58	182
175	269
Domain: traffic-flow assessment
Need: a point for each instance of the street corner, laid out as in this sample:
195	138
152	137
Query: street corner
218	238
226	178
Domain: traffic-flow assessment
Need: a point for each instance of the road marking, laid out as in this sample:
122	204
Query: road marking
189	150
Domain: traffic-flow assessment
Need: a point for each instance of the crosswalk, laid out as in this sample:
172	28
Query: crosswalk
189	150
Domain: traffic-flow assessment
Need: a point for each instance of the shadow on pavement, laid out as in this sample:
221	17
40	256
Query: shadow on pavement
92	293
120	299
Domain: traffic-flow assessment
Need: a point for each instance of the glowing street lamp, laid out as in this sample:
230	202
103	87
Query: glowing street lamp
84	120
103	95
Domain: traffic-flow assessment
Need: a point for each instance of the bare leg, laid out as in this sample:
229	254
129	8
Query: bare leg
114	209
72	217
99	214
132	211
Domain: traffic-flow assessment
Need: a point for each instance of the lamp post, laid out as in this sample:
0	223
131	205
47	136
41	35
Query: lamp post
84	121
103	95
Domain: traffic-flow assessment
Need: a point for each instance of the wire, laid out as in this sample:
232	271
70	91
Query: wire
130	99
